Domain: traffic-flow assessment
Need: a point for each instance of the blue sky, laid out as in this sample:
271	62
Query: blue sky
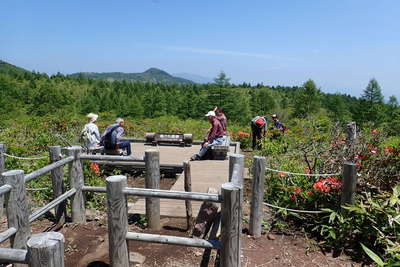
340	44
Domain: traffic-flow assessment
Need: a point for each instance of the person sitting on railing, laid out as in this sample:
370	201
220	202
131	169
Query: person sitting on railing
215	136
112	137
90	133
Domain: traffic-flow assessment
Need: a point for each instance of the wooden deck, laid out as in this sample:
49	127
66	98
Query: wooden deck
205	174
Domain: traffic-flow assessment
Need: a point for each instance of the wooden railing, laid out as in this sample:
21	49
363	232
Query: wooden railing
47	249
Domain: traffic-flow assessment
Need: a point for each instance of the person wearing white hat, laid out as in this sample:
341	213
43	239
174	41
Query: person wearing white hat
90	133
215	136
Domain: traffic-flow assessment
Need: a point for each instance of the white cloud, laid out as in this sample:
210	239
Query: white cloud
226	52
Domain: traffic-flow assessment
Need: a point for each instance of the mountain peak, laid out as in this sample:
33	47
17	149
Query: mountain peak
155	71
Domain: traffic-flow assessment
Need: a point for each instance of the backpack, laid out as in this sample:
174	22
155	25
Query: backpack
87	136
109	141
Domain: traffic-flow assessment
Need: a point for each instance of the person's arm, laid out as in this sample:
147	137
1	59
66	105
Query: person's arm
212	133
120	134
96	133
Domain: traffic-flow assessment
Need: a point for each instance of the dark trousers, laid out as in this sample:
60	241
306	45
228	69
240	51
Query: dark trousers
125	145
256	135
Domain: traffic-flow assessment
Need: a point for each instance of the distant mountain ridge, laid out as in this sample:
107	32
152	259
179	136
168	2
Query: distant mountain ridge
194	77
153	75
8	68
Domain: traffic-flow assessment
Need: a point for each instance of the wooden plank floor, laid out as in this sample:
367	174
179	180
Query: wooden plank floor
205	174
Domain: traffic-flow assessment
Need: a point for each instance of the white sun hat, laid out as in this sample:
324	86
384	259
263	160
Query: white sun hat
210	113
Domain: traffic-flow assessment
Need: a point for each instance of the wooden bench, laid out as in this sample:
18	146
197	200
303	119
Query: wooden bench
219	152
169	138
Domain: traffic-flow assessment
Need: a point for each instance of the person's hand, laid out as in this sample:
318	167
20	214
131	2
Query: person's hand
205	144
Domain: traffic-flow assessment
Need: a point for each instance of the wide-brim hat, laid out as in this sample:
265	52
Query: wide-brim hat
210	113
93	117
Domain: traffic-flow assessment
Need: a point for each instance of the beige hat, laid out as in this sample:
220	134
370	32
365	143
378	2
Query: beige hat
92	117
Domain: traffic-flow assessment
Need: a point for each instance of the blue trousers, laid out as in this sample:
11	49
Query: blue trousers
125	145
204	149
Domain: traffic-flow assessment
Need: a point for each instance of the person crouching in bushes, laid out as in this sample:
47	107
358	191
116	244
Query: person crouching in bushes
258	130
215	136
278	128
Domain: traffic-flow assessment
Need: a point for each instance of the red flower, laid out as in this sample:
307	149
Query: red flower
297	190
95	168
389	150
374	131
281	174
293	197
309	193
327	184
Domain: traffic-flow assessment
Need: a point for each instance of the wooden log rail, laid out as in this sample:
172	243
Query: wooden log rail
173	240
110	158
44	249
48	168
231	216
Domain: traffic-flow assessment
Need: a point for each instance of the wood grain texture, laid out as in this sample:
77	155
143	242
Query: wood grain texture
117	221
188	188
57	179
257	196
13	255
2	169
235	159
230	226
152	162
46	249
76	181
17	209
349	183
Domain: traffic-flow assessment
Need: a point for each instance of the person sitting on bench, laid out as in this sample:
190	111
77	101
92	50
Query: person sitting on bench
111	138
215	136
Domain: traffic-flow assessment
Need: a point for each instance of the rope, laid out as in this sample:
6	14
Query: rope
304	174
293	210
38	189
16	157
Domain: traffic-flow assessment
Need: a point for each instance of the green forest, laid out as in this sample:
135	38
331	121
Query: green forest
37	94
38	110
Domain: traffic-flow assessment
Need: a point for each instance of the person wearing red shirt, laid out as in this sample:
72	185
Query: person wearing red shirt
215	136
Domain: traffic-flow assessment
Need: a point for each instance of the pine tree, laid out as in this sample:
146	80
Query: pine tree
307	99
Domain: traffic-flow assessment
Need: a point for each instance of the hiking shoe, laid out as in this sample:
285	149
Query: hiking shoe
195	157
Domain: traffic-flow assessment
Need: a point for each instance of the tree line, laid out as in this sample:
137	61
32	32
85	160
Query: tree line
39	94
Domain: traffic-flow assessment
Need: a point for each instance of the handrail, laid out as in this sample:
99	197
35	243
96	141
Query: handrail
97	189
36	214
7	233
47	168
4	189
14	255
157	193
110	158
173	240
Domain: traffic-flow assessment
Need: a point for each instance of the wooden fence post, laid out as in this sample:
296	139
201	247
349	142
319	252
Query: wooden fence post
46	249
349	183
188	188
76	181
152	162
117	221
230	225
17	209
257	197
236	159
2	169
57	178
351	132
